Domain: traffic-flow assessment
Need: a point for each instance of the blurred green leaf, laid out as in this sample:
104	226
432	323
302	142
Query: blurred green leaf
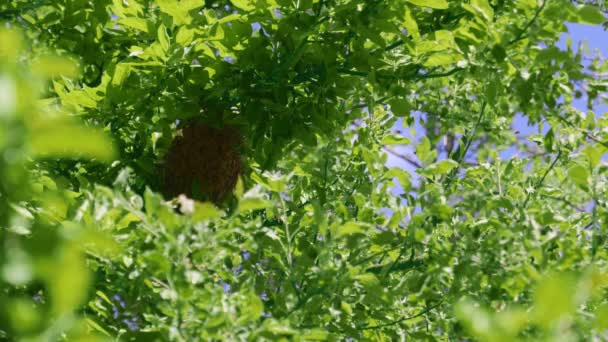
554	298
51	66
590	15
245	5
60	138
579	175
437	4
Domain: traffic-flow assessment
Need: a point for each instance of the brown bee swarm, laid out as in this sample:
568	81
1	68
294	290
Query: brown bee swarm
203	163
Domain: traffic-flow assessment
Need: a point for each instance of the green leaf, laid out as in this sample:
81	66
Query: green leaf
97	327
590	15
121	72
179	10
601	317
50	66
579	175
152	202
476	320
245	5
439	168
483	7
204	211
315	335
555	296
64	139
68	288
367	279
163	37
424	152
400	107
104	297
402	175
593	154
253	307
239	188
437	4
276	182
410	24
184	36
249	204
230	18
78	99
491	91
549	140
135	23
444	58
348	229
395	139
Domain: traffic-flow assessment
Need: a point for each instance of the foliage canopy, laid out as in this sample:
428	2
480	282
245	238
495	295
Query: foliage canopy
315	243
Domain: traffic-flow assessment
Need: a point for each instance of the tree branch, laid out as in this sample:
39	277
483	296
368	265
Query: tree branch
542	180
565	201
469	140
404	157
403	266
586	133
522	34
425	311
397	77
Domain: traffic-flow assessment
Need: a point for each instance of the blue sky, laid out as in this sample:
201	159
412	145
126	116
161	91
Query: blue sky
594	40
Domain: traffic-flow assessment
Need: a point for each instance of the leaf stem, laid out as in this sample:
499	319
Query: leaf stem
542	180
427	310
522	34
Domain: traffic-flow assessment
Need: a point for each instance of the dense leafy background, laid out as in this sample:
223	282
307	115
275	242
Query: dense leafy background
316	244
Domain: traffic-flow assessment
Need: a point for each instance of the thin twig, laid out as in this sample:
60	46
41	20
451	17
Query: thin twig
397	77
469	140
586	133
522	33
404	157
542	180
425	311
566	201
395	266
472	133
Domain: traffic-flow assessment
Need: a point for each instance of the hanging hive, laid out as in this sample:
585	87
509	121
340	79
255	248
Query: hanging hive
203	163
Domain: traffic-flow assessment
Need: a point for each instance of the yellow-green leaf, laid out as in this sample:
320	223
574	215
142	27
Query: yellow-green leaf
555	297
439	59
579	175
249	204
50	66
349	228
440	168
245	5
590	15
163	37
601	317
395	139
135	23
204	211
437	4
410	23
61	139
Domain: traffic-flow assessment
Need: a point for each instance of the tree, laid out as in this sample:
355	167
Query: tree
314	243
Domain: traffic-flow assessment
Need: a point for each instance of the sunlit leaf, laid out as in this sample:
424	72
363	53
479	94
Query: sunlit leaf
246	5
437	4
590	15
348	229
579	175
66	139
135	23
50	66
